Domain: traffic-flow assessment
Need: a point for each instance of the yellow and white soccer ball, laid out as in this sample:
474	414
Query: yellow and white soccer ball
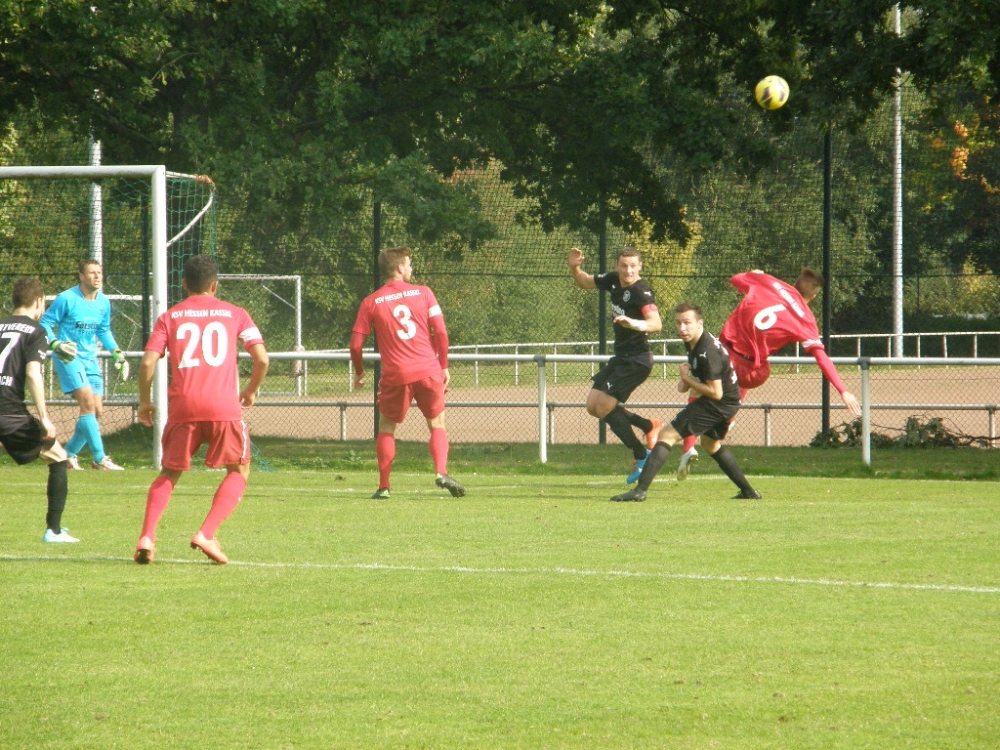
771	92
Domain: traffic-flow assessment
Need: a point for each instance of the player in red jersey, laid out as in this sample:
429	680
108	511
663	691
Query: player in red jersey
205	405
772	315
413	344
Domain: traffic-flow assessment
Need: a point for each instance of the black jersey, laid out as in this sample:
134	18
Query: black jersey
629	302
22	340
709	360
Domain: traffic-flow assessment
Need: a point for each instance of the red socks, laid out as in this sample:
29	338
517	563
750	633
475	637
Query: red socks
385	452
439	450
157	500
227	497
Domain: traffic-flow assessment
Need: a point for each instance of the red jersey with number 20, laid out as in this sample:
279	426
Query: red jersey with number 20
202	334
403	316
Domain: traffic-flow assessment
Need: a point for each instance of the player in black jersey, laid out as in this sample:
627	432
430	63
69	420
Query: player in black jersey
634	309
709	374
23	348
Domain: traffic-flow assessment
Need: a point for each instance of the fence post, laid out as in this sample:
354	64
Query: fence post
866	412
767	425
991	428
343	422
543	449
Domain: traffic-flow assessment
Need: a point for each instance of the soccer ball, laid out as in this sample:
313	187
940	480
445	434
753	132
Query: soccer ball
771	92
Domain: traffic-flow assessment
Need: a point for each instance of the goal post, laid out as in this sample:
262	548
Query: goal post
155	234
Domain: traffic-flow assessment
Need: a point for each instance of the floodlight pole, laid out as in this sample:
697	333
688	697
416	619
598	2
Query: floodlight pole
897	208
827	244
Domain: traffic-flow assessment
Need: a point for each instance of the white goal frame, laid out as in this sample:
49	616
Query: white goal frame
157	175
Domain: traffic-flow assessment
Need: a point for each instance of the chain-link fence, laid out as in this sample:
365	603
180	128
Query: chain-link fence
499	397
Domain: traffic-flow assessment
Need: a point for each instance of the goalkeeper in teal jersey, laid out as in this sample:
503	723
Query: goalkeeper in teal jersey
76	321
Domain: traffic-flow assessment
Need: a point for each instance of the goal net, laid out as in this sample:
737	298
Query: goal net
141	223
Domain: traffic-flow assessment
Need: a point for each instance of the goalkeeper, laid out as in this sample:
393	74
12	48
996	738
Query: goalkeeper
76	321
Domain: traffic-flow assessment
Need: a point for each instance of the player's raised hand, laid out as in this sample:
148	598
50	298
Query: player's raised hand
575	258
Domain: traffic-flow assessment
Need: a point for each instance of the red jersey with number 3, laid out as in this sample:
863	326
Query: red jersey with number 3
401	313
772	315
202	335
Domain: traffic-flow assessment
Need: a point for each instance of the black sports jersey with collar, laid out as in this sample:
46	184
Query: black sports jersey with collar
709	360
22	340
627	301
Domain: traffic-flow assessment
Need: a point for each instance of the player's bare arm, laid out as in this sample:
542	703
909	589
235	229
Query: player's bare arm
711	389
583	279
261	362
851	403
651	322
36	388
147	369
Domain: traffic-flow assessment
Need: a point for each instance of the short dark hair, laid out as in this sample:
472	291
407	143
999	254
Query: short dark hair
390	258
26	291
84	264
809	282
629	252
200	272
684	307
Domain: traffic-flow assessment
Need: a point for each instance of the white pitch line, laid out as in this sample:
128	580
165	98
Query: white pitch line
542	571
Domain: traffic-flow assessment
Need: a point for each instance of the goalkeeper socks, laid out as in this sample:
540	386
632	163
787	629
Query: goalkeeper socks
79	440
438	445
227	497
157	500
635	420
654	462
88	425
727	462
620	425
385	452
56	491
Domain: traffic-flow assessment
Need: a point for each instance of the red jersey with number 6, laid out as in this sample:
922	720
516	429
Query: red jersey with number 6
772	315
202	335
410	331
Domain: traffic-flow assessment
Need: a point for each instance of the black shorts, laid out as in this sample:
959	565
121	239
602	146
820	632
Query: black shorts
622	375
703	416
23	437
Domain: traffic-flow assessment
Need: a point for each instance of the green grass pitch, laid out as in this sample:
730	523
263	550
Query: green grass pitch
834	613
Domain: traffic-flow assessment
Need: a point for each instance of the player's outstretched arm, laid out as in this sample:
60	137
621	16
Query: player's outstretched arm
851	403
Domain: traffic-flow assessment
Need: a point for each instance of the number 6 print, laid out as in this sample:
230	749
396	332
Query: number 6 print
767	317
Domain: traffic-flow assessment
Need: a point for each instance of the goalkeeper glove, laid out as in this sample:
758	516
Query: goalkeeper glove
120	363
65	350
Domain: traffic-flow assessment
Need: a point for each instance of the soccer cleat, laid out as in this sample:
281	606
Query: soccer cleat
447	483
106	464
654	433
62	537
73	463
382	493
689	457
744	495
632	496
144	551
637	467
210	547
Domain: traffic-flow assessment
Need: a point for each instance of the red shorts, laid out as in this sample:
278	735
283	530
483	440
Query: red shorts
394	400
228	443
747	375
